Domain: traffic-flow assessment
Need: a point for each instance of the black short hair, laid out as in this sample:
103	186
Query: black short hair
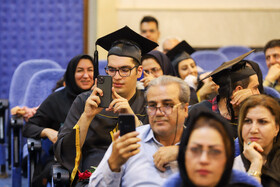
149	19
272	44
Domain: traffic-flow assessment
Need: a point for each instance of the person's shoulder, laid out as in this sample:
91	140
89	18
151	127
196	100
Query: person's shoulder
140	93
84	95
241	177
173	180
204	103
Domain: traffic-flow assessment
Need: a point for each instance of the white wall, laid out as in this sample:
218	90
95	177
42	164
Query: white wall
203	23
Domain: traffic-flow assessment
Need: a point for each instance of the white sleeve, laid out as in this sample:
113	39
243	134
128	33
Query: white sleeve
103	176
238	164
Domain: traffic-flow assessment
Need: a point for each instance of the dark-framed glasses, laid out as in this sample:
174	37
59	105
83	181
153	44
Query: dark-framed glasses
166	109
123	71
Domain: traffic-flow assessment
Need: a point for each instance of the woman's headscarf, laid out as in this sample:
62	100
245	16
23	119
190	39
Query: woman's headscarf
69	76
162	60
194	115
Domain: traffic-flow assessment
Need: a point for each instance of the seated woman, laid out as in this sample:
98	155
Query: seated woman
259	139
155	64
51	114
186	68
206	153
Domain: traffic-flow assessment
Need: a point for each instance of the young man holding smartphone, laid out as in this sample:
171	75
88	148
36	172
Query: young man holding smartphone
131	159
88	129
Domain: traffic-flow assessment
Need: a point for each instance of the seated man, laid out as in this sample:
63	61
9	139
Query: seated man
88	128
272	57
129	159
169	43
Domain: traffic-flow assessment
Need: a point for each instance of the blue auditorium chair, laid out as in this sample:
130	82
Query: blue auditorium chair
21	78
39	88
237	148
271	91
4	116
232	52
209	60
259	58
22	75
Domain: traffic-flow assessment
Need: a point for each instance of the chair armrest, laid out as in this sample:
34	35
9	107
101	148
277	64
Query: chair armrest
17	122
34	145
61	176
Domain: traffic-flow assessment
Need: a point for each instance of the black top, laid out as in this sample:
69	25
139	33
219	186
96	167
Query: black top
194	115
53	111
98	136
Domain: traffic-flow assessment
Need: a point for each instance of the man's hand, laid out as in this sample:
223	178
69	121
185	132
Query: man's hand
164	155
51	134
91	107
273	73
147	79
123	148
239	96
119	104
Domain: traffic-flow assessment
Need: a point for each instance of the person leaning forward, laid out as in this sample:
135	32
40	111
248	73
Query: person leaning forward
88	129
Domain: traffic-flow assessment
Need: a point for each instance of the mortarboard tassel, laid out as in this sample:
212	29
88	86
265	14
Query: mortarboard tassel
95	61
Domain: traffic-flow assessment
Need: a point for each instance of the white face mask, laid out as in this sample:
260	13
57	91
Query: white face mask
192	81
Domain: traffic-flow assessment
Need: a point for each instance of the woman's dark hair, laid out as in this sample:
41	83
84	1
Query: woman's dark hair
203	117
69	76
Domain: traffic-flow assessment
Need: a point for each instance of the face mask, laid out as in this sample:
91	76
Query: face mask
192	81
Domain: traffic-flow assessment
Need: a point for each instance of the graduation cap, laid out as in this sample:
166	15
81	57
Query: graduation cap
125	42
180	52
236	69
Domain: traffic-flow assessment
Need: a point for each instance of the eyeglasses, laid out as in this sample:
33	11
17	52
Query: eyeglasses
166	109
212	153
123	71
152	71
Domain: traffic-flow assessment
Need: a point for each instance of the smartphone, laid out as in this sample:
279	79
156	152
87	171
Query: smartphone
104	82
126	123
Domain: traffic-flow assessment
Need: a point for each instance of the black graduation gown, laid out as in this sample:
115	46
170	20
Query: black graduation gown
50	114
98	136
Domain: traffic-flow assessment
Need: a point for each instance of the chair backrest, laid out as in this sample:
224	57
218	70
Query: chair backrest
271	91
209	60
22	75
259	58
237	148
102	64
40	86
234	51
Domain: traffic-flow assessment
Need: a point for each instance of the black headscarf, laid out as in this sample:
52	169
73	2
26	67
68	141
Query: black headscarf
194	115
162	60
69	76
